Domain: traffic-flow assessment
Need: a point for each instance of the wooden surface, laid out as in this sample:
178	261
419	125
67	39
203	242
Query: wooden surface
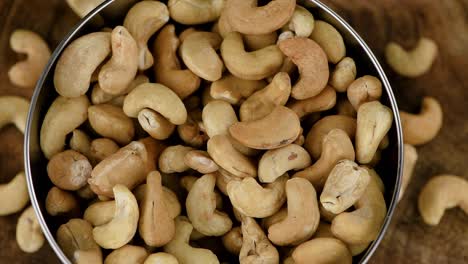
378	21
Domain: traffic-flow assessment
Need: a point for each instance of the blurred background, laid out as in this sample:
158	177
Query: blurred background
408	239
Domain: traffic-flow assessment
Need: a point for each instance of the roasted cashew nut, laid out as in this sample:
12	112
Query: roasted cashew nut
76	235
83	7
188	181
343	74
101	148
330	40
59	202
16	192
194	12
233	89
14	109
302	22
155	124
161	258
99	213
172	159
321	251
200	161
111	122
80	142
127	254
233	240
256	248
28	232
365	89
323	101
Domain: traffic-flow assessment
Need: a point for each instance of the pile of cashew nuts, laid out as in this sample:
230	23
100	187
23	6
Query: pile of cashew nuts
253	117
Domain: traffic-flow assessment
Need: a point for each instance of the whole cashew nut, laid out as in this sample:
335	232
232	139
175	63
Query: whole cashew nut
172	159
69	170
321	251
14	109
142	21
16	192
330	40
256	248
200	161
26	73
233	89
365	89
28	232
194	12
217	117
325	100
111	122
99	213
101	148
155	124
161	258
127	254
440	193
233	241
410	159
223	178
76	235
188	181
302	22
59	202
343	74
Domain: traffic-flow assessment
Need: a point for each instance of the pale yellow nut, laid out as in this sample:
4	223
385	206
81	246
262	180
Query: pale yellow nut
127	254
256	248
330	40
302	22
14	110
322	251
410	158
28	232
194	12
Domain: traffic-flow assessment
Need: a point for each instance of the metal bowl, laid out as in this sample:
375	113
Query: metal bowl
390	169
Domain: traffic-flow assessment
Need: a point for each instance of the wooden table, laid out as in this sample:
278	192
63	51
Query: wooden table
408	240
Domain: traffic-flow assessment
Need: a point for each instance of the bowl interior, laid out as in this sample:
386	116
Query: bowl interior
35	163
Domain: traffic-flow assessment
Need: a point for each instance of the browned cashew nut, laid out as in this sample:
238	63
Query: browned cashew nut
14	109
256	248
200	161
198	51
69	170
155	124
255	65
191	132
233	241
29	235
63	116
142	21
410	159
60	202
78	61
303	214
419	129
17	192
111	122
194	12
76	235
233	89
80	142
312	63
27	72
346	183
167	68
172	159
247	18
156	226
365	89
101	148
440	193
277	129
325	100
127	254
321	251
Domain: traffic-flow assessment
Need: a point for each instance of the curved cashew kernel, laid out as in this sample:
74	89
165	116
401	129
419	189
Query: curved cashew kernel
26	73
365	89
217	117
82	8
253	200
16	191
415	62
172	159
227	157
255	65
167	69
63	116
188	181
419	129
336	146
80	142
366	220
303	214
98	96
76	235
60	202
223	178
117	74
201	208
275	218
200	161
344	107
127	254
161	258
343	74
321	251
69	170
324	230
373	122
111	122
87	256
262	102
346	183
121	229
319	130
233	89
276	162
256	42
191	132
256	248
128	166
302	22
28	232
170	199
156	226
277	129
142	21
99	213
198	51
325	100
158	98
410	159
233	241
247	18
101	148
14	109
194	12
181	249
440	193
312	63
155	124
330	40
78	61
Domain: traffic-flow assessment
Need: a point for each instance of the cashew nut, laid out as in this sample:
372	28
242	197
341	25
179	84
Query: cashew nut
59	202
161	258
156	226
76	235
330	40
28	232
410	159
253	200
80	142
142	21
191	132
198	51
223	178
262	102
121	229
256	248
16	192
246	17
321	251
14	109
255	65
312	63
302	22
276	162
188	181
344	107
325	100
101	148
256	42
86	193
158	98
127	254
63	116
78	61
217	117
98	96
373	122
88	256
415	62
172	159
100	213
27	72
365	89
303	214
69	170
346	183
155	124
233	241
200	161
194	12
111	122
419	129
343	74
440	193
233	89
